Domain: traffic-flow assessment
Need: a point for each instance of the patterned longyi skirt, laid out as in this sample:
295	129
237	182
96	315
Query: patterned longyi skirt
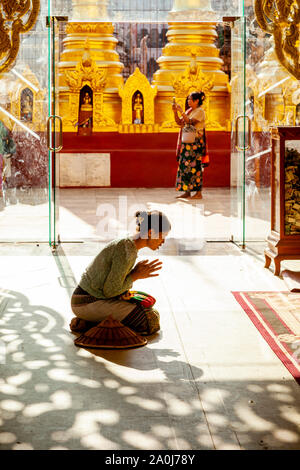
189	173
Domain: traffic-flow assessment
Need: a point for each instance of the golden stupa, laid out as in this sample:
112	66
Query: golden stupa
191	62
90	64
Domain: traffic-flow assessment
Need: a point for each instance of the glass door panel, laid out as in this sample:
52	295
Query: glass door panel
121	14
264	104
55	132
23	141
239	126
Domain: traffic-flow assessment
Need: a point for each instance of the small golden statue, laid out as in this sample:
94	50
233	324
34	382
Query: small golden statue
87	103
138	108
26	108
85	122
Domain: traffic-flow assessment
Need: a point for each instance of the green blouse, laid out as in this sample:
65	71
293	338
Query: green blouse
109	274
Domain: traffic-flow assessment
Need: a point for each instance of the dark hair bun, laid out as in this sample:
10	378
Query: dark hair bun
155	220
198	95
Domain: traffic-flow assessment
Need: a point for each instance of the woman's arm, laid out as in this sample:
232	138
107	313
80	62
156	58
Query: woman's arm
178	120
199	118
120	280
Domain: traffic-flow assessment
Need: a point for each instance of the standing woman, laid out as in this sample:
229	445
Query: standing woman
189	174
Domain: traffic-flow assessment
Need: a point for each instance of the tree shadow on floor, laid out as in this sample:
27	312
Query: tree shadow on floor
57	396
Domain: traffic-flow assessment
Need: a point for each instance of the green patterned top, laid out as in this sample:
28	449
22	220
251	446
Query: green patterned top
109	274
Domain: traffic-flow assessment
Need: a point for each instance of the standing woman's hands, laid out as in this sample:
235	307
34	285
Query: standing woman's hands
179	120
145	269
176	107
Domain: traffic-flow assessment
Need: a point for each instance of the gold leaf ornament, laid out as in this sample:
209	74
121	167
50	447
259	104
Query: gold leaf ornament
281	18
16	17
86	71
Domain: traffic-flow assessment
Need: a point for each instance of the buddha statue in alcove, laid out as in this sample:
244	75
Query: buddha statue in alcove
138	109
26	106
85	122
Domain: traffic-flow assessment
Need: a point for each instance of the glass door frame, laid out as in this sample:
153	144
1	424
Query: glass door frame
240	131
54	130
239	141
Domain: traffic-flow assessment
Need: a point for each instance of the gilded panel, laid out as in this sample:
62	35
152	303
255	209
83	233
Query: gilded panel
281	19
16	18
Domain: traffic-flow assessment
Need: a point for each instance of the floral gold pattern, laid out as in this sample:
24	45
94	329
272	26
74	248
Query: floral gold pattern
202	51
86	71
16	17
192	79
90	28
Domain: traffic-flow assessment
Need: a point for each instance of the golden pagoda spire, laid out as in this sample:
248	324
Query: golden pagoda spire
191	49
91	44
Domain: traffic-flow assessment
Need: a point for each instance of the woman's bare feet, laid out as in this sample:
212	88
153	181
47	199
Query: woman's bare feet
198	195
185	195
79	325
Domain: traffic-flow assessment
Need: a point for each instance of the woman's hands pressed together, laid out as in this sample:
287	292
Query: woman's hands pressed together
145	269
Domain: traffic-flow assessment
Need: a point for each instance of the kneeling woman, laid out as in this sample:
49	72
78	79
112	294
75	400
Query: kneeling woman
103	288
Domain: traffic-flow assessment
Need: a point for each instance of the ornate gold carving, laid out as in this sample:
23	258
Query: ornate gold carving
86	71
100	119
71	118
90	28
137	82
39	106
11	26
192	79
202	51
281	18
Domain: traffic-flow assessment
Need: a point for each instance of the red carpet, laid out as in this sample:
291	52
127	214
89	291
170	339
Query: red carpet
276	315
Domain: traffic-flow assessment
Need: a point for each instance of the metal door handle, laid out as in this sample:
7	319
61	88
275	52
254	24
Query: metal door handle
249	133
50	118
60	146
60	134
237	129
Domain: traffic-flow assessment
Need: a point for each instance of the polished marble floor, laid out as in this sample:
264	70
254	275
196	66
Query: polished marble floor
207	380
97	214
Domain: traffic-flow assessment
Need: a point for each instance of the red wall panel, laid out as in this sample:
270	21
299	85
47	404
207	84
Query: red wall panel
149	160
